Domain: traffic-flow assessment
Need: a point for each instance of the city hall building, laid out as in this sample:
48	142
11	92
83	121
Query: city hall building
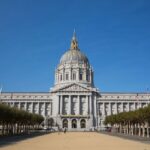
74	102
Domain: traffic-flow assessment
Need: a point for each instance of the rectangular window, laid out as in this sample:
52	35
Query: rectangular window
80	76
74	76
61	77
87	77
67	76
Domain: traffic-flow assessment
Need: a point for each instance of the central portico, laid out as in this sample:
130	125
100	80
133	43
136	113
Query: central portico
74	87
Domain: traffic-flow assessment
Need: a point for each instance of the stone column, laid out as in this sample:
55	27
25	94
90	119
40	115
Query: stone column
25	106
90	75
77	77
128	106
134	106
95	111
122	107
38	107
12	104
44	108
70	76
69	124
78	124
116	108
19	105
109	112
78	102
61	105
51	111
90	104
95	106
31	107
103	113
63	74
139	104
87	105
69	103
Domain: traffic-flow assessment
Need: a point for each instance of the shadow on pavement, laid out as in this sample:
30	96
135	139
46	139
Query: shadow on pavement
128	137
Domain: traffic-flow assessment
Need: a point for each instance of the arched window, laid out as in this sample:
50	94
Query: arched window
83	123
74	123
65	123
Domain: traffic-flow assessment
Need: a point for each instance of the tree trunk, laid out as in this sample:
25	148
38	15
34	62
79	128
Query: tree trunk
3	128
147	130
143	130
139	126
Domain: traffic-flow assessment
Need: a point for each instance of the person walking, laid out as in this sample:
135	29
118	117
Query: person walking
65	130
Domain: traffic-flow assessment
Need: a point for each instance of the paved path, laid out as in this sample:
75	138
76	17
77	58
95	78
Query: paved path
76	141
129	137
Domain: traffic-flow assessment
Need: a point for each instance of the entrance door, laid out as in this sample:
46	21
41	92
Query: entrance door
65	123
74	123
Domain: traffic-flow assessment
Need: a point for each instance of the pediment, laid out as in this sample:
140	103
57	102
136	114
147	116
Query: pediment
73	88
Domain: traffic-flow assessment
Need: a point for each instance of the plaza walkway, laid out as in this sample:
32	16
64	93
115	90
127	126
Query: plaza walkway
76	141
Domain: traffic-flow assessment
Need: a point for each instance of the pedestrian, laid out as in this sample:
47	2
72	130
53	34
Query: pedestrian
65	130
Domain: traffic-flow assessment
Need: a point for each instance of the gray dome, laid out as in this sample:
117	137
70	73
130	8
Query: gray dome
74	56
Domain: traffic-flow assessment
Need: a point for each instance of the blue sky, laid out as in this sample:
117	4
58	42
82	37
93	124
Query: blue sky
114	34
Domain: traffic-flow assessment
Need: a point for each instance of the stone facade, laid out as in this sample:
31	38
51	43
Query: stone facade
74	102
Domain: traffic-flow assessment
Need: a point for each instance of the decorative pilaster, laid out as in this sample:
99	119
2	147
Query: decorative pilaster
61	105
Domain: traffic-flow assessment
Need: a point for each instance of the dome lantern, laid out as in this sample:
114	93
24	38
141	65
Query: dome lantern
74	42
74	55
